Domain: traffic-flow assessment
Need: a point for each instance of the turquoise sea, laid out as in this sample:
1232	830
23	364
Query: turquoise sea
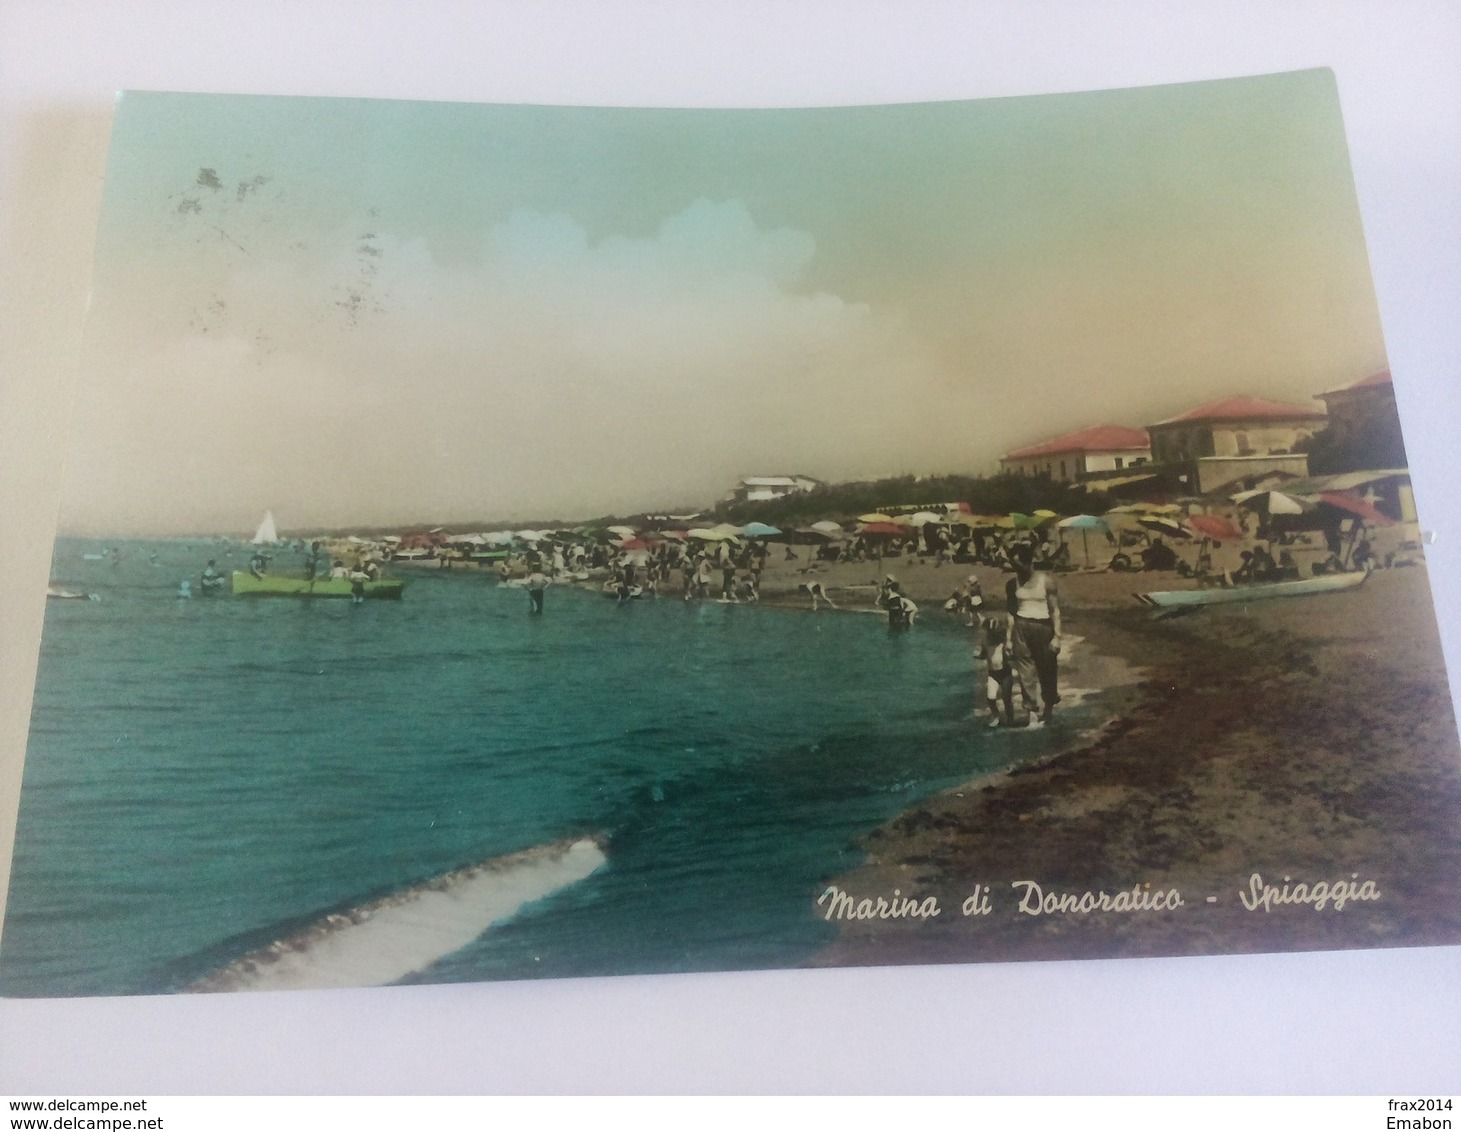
207	774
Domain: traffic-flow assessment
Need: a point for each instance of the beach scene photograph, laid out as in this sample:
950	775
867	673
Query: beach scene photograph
514	542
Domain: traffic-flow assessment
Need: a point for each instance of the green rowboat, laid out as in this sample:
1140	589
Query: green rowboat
271	585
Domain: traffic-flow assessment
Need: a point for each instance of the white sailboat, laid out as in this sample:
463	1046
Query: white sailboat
266	532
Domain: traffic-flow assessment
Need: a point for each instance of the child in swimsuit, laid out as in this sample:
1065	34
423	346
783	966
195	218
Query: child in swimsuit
998	675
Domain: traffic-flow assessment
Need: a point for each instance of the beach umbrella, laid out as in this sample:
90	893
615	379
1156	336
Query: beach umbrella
921	517
1215	527
1269	502
759	530
1164	526
1085	524
829	526
1145	509
1043	515
879	533
875	517
708	534
622	530
1355	505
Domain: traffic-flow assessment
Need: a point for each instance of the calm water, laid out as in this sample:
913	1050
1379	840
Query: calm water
202	774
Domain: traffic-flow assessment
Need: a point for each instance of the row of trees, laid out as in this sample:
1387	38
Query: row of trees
1377	445
985	495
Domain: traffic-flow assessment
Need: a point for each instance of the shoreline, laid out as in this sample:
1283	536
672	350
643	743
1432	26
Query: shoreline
1309	741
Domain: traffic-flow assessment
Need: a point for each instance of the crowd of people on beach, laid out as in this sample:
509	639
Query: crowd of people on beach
1019	648
1019	645
724	570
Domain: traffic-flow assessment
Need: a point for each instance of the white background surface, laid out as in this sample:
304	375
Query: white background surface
1371	1022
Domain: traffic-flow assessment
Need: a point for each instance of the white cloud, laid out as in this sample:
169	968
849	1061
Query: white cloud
564	374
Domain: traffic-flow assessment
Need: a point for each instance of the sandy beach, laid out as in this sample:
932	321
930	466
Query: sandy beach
1305	740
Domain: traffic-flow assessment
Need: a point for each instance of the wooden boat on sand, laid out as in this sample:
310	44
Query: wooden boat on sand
271	585
1322	584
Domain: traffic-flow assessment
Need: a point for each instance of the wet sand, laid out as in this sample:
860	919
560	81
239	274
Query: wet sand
1304	738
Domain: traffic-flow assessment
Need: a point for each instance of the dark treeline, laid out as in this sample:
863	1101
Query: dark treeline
1377	445
986	495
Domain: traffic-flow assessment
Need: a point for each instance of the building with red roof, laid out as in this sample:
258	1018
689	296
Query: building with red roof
1233	439
1100	448
1364	423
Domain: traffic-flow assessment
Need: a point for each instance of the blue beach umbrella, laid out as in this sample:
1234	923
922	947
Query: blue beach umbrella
759	530
1084	523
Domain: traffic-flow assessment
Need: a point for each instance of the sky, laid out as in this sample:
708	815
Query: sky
370	313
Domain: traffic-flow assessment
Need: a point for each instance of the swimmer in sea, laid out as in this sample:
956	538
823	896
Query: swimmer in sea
537	583
818	594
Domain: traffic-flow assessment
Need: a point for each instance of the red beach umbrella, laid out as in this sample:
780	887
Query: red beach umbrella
1348	501
1214	526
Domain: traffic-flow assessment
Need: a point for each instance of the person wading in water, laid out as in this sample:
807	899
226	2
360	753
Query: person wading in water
1034	608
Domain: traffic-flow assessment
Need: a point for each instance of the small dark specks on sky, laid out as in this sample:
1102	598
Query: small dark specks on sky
229	238
210	316
263	347
252	185
351	304
361	298
208	178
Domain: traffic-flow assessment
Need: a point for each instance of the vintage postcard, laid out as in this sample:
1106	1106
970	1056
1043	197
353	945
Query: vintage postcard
508	542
